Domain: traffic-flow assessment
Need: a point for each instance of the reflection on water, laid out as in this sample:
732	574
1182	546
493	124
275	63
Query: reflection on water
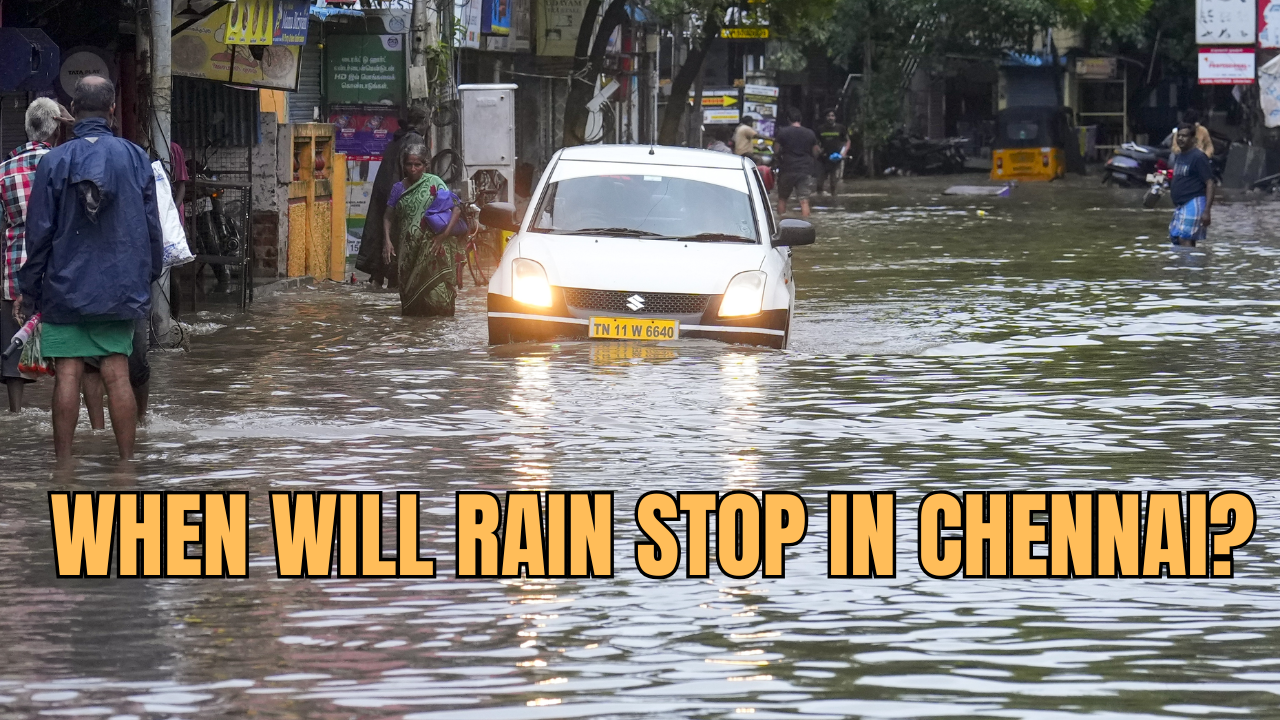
1053	342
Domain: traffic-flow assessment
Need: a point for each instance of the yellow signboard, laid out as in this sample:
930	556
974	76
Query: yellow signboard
745	33
251	22
719	101
202	51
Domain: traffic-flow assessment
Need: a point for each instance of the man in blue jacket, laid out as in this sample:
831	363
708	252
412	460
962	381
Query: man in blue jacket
94	246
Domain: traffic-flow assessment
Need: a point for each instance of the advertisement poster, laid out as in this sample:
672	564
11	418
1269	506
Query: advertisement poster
365	69
467	14
557	26
201	51
1226	22
292	17
363	132
1227	66
1269	85
762	102
495	17
251	22
1269	24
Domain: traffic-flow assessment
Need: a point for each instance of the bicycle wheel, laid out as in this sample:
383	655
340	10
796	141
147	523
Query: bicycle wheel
483	259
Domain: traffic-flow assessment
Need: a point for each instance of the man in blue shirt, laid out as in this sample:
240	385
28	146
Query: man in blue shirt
1191	189
94	246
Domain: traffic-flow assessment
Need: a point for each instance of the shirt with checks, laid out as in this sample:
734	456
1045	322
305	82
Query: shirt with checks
16	176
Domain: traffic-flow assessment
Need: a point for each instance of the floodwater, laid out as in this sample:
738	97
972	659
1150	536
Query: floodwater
1052	341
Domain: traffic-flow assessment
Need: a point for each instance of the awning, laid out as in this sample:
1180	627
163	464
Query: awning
324	13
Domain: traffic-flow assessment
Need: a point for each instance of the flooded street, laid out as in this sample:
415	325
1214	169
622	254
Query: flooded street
1050	340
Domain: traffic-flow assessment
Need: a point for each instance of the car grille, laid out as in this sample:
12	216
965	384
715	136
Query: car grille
619	301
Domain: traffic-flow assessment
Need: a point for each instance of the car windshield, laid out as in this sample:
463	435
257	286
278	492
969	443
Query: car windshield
650	204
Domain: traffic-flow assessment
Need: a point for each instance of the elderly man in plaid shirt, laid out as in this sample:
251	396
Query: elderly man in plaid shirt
16	173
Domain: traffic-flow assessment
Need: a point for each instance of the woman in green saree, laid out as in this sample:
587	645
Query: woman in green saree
427	261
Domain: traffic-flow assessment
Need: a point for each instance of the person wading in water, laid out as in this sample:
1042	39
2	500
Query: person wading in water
427	260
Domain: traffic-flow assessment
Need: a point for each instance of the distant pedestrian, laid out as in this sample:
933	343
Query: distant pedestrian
1192	189
796	150
427	260
745	135
16	176
94	247
717	143
412	130
835	148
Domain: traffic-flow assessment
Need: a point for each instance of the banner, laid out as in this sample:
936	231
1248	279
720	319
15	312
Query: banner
292	17
495	17
251	22
557	26
365	69
1226	22
521	37
363	132
1227	66
201	51
1269	24
1269	85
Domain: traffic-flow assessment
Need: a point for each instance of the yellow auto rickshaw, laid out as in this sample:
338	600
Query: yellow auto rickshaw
1030	144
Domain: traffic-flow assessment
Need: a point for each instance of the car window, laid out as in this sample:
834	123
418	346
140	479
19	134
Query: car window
647	204
764	200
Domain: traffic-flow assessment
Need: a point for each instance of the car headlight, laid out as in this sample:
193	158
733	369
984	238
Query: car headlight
744	296
529	283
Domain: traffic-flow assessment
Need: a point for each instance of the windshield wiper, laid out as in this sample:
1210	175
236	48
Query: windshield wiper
730	237
622	231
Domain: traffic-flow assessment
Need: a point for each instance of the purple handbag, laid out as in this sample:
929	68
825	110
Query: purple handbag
441	209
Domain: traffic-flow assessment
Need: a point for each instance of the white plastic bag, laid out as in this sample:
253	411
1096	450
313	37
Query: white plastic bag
176	250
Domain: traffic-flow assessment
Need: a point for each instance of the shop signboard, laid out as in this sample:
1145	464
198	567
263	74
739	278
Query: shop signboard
557	23
1227	66
362	132
1226	22
251	22
292	17
745	33
201	51
365	69
1269	24
495	17
721	106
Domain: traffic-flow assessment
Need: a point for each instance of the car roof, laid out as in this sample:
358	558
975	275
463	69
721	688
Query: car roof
653	155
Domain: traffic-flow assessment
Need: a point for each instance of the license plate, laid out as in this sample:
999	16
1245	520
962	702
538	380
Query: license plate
621	328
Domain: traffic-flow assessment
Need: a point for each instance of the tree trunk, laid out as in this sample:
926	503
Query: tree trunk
586	67
689	71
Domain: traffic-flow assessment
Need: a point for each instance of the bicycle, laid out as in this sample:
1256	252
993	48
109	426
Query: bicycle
481	252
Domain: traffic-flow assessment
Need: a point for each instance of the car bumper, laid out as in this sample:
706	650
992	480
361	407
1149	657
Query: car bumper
511	322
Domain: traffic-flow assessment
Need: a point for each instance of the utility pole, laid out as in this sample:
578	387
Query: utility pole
160	105
654	42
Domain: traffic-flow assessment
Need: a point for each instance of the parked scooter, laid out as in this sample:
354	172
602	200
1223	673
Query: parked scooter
1131	163
1159	181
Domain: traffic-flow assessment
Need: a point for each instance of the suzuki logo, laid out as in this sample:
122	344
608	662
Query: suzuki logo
636	303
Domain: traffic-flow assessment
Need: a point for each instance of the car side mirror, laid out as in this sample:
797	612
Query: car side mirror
792	232
501	216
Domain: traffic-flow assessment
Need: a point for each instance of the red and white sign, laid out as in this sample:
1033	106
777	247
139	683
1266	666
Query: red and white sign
1269	24
1227	66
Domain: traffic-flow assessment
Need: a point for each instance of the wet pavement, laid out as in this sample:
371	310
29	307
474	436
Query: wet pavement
1050	340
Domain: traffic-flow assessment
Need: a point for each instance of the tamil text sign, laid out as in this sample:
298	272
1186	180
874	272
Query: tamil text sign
365	69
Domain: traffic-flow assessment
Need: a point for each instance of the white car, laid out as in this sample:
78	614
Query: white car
633	242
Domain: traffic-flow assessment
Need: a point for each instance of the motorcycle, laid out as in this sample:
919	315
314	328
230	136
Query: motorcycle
909	154
1159	185
215	233
1131	163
